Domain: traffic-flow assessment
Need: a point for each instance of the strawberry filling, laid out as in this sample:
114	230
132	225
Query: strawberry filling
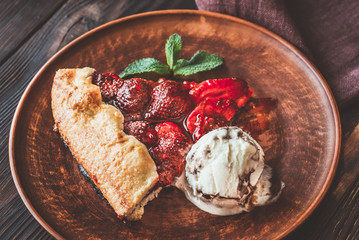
144	131
168	116
169	101
170	152
254	117
210	114
227	88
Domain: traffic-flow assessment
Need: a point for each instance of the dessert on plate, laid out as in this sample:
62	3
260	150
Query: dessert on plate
135	137
118	163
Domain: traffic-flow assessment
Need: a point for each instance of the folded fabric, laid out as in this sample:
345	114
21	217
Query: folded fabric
326	31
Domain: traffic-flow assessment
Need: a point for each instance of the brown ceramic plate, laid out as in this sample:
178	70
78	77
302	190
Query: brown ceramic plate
302	144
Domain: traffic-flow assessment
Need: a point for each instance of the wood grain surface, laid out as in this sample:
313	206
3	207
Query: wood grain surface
29	37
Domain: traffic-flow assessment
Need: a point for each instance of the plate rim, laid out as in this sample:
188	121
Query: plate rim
291	47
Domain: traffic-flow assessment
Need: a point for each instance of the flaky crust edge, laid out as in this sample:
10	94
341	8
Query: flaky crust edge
118	164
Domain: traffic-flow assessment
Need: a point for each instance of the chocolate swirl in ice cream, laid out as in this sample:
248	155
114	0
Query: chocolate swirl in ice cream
225	173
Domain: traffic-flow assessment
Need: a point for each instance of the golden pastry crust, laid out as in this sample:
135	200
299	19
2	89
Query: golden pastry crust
119	164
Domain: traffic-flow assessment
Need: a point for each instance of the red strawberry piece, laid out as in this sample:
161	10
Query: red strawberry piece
170	152
98	78
142	130
210	114
109	84
169	101
133	97
109	89
189	85
230	88
254	118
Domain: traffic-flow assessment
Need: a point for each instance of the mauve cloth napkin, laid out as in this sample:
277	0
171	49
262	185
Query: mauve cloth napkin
327	31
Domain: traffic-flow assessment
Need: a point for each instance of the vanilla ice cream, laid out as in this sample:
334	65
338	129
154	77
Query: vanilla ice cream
225	173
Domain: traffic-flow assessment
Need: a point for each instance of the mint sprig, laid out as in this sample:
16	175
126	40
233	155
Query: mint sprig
145	65
200	61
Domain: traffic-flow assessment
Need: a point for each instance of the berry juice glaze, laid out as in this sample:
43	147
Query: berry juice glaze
168	116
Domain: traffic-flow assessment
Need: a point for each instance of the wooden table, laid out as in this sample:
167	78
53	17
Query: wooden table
33	31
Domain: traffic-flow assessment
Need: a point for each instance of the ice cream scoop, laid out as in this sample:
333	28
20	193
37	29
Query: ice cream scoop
225	173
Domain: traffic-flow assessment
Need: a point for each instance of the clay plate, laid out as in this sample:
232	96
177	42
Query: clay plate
302	144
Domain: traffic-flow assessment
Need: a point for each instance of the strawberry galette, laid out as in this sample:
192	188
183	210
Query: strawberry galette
132	136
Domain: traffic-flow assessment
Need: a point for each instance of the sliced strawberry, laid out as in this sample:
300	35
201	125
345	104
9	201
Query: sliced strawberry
98	78
170	152
254	118
189	85
205	124
169	101
109	89
133	97
109	84
142	130
210	114
230	88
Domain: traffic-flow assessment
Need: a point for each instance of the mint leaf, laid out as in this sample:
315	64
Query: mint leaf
201	61
173	49
145	65
180	63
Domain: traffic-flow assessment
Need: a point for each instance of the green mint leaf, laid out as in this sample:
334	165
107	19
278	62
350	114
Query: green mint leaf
173	49
180	63
145	65
201	61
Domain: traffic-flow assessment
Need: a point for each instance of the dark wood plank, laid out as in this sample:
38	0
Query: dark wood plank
345	220
40	34
20	19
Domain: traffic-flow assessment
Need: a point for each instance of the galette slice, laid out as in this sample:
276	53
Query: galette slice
119	164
